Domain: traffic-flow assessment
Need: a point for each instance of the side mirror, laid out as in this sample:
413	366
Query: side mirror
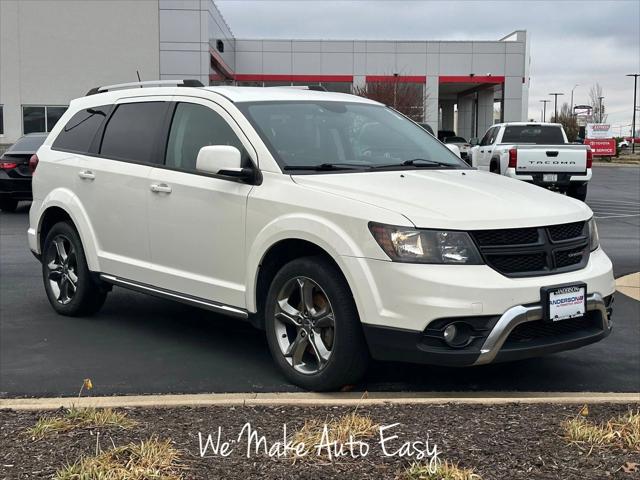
473	141
219	159
454	148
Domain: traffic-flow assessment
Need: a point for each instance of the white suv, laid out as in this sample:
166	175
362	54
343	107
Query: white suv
339	226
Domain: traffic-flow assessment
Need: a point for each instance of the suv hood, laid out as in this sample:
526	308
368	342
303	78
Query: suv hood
453	199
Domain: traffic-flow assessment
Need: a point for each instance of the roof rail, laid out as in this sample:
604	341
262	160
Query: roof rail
120	86
316	88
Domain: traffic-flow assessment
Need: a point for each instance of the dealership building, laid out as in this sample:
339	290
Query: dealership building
52	51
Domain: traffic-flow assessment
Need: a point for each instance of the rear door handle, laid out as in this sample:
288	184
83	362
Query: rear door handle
160	188
86	175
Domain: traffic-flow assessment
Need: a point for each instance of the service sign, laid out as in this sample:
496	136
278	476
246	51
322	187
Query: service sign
599	130
602	148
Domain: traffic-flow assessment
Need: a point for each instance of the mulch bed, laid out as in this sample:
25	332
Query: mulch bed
514	441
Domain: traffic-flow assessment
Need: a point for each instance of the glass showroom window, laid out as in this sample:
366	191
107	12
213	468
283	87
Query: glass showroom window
40	118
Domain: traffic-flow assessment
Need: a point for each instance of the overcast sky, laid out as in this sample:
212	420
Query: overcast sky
571	42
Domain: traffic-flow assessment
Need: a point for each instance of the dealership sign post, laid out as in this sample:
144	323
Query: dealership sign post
600	138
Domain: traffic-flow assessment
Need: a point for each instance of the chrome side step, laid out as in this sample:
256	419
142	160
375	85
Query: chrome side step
178	297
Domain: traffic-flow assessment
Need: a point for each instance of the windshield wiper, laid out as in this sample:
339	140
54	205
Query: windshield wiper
418	162
326	166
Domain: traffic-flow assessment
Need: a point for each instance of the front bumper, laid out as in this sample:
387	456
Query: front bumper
504	341
400	303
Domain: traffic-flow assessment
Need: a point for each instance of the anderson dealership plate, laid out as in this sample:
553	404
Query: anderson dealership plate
564	301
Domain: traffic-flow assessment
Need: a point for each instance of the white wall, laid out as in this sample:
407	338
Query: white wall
188	30
54	51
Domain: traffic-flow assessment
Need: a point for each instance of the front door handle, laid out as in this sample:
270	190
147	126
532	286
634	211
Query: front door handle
86	175
160	188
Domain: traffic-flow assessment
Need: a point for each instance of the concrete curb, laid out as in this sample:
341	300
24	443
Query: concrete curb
629	285
318	399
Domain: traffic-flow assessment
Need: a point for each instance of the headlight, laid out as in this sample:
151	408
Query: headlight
594	240
411	245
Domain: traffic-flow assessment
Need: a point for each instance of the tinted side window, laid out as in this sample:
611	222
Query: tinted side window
193	127
132	132
493	135
78	133
485	139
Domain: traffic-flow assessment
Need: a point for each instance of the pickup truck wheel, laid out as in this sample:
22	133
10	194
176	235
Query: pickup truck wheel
494	167
70	287
312	326
8	205
578	192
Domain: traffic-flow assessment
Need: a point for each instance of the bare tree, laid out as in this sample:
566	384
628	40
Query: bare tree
595	95
568	121
407	98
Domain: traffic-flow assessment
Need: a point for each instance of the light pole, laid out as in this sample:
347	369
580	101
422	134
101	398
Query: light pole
574	87
633	122
556	95
600	109
544	110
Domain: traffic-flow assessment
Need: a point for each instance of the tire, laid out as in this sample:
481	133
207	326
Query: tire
494	167
335	353
579	192
8	205
60	275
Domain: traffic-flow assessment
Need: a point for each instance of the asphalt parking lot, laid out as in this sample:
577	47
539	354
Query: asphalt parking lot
141	345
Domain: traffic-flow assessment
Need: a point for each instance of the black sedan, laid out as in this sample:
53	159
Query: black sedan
15	174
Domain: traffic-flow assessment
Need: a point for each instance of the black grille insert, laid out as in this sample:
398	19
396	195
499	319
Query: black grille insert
566	258
520	252
512	236
518	263
566	231
539	329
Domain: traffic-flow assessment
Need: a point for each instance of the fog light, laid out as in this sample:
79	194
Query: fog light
450	334
457	334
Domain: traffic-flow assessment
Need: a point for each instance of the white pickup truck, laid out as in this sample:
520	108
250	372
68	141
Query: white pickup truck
538	153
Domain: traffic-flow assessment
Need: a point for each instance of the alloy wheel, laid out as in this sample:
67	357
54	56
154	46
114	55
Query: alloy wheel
62	265
304	324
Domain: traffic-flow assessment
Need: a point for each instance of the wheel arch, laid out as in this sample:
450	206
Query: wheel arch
63	205
274	258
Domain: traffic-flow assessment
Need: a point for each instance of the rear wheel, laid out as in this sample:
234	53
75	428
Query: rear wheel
8	205
312	326
70	287
578	192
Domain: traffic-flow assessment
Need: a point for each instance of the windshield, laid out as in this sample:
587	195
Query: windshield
533	134
350	136
455	140
28	143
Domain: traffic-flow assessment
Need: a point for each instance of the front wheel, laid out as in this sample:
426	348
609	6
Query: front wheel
312	326
579	192
70	287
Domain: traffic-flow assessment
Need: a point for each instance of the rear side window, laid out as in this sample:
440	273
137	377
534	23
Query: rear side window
79	132
533	134
133	131
195	126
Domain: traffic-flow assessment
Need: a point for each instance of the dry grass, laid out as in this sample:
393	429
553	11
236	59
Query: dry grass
77	418
340	430
151	459
440	471
622	432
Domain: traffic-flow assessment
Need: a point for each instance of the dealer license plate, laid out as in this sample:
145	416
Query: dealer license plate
565	302
550	177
